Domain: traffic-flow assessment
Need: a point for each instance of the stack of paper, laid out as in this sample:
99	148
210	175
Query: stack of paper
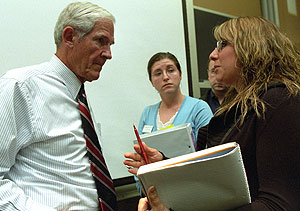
210	179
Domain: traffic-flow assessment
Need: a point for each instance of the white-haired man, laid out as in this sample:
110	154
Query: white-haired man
46	162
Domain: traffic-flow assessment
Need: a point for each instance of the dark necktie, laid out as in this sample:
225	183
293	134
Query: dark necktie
104	184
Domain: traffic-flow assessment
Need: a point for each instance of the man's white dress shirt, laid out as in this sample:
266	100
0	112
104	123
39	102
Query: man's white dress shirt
43	161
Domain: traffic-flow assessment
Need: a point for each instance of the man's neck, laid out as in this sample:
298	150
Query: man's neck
220	95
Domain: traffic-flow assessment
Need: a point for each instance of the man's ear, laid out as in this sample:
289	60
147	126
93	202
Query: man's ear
69	36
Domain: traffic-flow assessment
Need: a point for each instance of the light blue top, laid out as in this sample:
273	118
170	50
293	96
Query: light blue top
194	111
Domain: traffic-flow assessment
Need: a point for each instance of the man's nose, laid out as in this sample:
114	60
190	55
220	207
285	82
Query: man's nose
107	53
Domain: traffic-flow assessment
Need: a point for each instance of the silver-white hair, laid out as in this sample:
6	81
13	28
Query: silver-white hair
82	17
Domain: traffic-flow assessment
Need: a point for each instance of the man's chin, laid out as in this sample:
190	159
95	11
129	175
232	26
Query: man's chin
93	77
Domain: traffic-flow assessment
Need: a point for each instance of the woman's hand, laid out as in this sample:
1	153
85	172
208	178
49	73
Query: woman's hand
154	202
137	160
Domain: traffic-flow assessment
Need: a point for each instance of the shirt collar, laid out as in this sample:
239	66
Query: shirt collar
71	81
212	94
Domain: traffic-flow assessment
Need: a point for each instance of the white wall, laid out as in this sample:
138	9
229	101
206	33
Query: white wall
143	27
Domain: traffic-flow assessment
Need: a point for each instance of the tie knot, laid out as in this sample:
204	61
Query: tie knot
81	95
81	91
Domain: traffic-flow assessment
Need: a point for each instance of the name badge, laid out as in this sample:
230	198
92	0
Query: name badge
147	129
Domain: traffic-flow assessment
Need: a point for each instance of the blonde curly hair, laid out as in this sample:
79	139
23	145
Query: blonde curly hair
264	55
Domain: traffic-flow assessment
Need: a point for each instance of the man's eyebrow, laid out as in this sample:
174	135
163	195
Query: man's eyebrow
106	37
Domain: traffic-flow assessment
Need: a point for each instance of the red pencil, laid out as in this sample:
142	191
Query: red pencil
141	145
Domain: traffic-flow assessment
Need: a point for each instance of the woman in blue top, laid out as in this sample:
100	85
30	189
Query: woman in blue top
174	108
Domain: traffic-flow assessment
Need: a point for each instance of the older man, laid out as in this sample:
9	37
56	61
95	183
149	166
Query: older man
216	94
50	156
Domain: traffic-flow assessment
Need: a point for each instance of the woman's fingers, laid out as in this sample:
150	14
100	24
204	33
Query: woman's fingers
155	201
143	204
